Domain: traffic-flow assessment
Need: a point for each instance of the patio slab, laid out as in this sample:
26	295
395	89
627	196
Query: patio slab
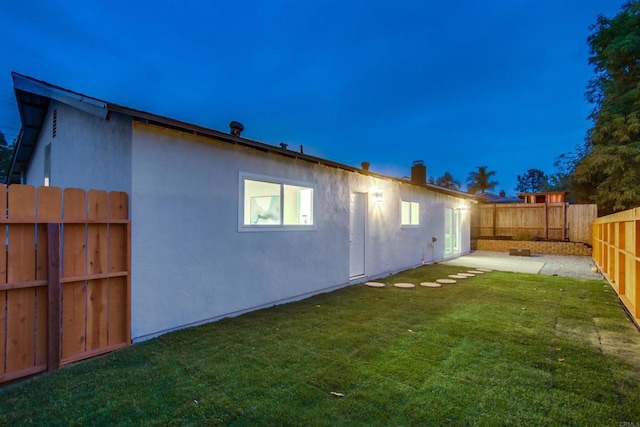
497	261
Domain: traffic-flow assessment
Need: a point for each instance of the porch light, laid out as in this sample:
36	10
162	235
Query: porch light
463	207
377	194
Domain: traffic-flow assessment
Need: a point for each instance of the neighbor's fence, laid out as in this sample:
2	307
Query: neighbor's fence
616	251
64	277
556	221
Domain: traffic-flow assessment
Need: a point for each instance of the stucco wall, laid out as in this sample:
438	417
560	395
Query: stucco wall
87	152
190	262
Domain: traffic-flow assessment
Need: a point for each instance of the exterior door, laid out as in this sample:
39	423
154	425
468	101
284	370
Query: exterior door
357	211
452	236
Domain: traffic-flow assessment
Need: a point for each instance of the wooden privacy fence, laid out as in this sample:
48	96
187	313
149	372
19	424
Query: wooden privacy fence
64	277
555	221
616	252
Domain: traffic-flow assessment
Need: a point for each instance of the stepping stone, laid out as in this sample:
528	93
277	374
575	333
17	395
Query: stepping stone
404	285
457	276
467	274
486	270
446	281
430	284
476	271
375	284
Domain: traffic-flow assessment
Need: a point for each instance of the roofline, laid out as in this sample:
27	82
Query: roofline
103	109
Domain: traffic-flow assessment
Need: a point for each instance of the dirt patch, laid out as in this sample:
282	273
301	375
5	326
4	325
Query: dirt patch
620	339
623	343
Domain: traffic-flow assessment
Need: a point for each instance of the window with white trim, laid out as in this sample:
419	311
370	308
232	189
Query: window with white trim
271	203
410	214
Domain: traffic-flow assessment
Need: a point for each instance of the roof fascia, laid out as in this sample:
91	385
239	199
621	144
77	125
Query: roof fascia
89	105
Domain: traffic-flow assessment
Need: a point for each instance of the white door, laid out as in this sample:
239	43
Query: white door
452	236
357	211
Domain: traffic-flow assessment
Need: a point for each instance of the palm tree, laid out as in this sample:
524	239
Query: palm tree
447	181
480	180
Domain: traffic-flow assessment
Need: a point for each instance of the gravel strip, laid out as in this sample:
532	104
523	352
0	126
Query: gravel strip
579	267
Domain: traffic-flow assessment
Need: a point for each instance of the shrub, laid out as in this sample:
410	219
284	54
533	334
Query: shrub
524	235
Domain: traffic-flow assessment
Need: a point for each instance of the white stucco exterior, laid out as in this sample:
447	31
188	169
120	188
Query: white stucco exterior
86	152
191	261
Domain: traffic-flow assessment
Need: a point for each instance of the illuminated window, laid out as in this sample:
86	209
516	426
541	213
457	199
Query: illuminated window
410	213
271	204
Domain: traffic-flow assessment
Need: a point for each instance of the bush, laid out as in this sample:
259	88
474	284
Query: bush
524	235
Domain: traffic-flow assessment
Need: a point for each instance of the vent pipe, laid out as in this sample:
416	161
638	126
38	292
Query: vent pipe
236	128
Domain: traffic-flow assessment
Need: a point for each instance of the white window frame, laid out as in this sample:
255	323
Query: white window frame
242	227
411	205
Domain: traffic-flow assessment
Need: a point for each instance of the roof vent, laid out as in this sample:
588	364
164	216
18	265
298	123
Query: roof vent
236	128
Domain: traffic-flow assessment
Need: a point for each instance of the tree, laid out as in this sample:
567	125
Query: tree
532	182
6	153
609	172
562	179
447	181
480	180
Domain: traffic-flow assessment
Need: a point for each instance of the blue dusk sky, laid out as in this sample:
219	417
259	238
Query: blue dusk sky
456	83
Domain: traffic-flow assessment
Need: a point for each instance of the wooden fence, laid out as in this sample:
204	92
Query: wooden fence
555	221
64	277
616	251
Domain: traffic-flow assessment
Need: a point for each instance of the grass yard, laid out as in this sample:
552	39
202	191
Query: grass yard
502	348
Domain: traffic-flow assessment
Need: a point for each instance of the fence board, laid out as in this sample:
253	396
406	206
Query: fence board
73	319
97	314
91	308
74	261
118	303
97	233
21	330
42	309
3	279
3	353
118	205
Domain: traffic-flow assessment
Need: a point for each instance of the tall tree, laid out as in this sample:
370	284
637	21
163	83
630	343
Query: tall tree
480	180
6	153
447	181
562	179
532	182
609	172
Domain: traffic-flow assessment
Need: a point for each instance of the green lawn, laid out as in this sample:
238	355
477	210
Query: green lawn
501	348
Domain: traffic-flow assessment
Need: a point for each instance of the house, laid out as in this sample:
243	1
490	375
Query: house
543	197
221	224
495	198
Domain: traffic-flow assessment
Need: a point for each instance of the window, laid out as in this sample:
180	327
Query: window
267	203
410	213
47	165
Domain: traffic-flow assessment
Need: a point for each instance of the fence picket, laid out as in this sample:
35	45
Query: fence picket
3	280
21	267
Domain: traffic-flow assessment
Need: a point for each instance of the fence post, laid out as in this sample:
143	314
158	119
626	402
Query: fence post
53	345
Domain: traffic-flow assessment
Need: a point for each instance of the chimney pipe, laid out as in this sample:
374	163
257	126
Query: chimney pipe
502	194
236	128
419	172
365	166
